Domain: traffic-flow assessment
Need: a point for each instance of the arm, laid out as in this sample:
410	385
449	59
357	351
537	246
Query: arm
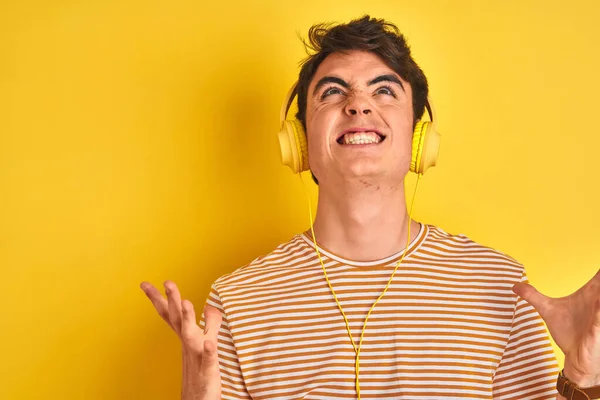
574	323
200	371
232	380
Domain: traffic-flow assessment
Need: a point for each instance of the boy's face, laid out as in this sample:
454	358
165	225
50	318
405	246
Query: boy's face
356	92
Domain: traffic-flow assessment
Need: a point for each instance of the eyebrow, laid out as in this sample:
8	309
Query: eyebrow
386	78
332	79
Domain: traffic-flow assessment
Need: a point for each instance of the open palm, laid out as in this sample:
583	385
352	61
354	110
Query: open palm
574	323
201	378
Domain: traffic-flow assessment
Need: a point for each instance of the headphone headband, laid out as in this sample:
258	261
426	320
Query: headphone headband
287	102
429	108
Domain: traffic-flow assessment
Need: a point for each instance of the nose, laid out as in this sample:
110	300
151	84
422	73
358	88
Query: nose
357	104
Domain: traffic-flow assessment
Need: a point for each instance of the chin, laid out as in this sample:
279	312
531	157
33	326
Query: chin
369	174
366	168
374	174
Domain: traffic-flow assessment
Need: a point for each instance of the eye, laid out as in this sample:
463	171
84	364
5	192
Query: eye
330	91
385	90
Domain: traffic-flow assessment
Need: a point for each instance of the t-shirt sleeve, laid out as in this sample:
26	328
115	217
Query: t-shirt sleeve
232	381
528	368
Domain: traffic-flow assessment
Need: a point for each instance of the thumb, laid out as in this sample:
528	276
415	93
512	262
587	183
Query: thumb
209	370
532	296
213	319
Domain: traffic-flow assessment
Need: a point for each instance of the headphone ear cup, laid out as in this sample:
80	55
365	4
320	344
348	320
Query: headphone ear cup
417	145
301	144
425	147
293	146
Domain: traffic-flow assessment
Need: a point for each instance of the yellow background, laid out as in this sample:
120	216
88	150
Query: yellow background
138	142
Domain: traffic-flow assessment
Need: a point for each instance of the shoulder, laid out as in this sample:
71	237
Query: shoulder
284	259
463	252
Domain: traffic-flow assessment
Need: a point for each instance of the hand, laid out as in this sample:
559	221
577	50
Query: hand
574	323
201	378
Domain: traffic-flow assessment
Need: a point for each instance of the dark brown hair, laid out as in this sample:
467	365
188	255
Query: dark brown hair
370	34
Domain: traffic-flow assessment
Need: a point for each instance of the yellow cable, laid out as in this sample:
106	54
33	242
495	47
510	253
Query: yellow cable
357	349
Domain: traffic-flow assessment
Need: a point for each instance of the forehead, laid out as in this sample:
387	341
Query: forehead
352	66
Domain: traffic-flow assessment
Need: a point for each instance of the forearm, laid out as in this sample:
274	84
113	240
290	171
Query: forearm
189	376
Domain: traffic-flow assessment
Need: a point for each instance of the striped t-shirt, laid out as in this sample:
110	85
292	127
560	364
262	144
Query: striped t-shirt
449	326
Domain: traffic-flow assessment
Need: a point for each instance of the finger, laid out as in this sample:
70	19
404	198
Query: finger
596	316
189	314
594	284
530	294
213	320
158	300
210	362
190	332
174	305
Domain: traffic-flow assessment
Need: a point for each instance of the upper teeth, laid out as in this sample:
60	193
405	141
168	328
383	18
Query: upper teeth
361	138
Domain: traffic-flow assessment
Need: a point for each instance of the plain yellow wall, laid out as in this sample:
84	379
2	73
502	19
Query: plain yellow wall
138	142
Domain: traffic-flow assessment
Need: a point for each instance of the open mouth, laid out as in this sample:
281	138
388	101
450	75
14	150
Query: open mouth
354	138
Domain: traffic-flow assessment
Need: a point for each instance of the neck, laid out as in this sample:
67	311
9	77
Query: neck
363	224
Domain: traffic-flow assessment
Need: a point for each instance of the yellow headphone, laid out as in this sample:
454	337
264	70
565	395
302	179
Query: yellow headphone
294	148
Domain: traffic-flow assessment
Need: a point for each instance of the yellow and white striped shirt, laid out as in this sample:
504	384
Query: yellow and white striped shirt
449	326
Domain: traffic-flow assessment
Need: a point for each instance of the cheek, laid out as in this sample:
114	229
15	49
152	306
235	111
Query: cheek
400	121
401	113
319	125
316	138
